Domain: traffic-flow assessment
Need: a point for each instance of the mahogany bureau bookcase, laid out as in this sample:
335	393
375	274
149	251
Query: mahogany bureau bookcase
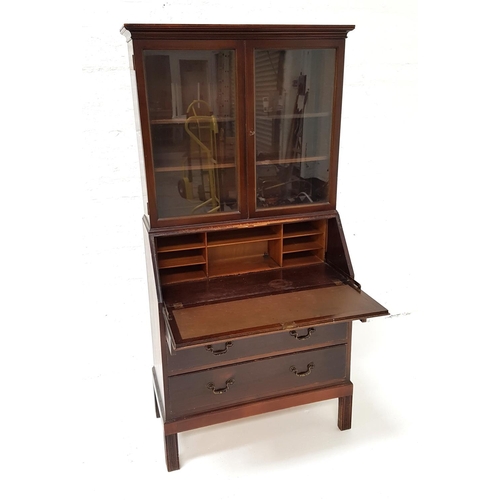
251	288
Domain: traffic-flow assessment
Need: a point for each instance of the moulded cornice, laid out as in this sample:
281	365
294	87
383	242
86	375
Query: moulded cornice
232	31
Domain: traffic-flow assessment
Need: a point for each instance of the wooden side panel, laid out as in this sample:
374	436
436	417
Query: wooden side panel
337	254
154	306
138	129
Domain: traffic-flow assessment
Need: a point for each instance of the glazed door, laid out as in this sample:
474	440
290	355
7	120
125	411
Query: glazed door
293	105
233	129
192	137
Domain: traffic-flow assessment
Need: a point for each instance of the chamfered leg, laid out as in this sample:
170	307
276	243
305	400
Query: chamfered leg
172	452
345	413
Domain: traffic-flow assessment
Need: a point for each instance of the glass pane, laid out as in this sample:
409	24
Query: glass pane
192	113
293	120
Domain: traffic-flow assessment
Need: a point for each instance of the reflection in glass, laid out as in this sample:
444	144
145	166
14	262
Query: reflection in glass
192	113
293	120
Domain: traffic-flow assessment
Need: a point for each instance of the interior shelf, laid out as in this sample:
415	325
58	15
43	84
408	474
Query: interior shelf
242	235
298	245
181	120
241	265
290	116
180	275
301	229
291	160
194	167
184	242
300	259
180	261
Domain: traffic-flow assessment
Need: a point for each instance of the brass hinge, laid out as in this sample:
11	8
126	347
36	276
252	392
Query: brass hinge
166	315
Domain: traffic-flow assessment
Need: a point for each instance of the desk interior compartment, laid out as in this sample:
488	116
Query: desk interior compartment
182	258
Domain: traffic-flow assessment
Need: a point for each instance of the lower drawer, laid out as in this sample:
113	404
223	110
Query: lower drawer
200	358
206	390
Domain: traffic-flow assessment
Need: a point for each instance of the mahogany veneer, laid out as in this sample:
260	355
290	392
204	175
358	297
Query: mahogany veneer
251	287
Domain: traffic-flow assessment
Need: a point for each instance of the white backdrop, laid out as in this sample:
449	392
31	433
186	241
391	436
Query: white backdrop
417	197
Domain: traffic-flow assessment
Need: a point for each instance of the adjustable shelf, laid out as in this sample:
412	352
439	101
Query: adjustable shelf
194	167
290	116
286	161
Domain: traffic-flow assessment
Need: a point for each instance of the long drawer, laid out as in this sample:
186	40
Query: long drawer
229	385
199	358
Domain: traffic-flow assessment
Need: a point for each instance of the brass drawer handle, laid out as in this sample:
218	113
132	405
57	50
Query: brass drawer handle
221	351
310	366
211	386
295	334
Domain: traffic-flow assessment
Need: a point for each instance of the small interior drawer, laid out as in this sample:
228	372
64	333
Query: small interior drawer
295	339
